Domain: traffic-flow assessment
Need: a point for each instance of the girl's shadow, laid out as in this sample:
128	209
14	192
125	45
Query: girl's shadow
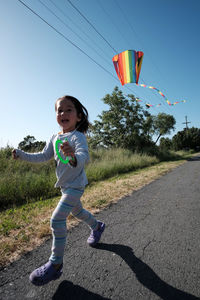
69	291
145	274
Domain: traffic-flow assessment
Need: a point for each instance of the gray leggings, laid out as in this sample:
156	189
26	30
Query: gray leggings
69	203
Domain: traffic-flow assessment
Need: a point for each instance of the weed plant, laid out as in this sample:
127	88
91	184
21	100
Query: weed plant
23	182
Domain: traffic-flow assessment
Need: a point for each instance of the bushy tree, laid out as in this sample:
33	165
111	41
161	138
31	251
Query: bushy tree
163	124
165	144
125	124
29	144
187	139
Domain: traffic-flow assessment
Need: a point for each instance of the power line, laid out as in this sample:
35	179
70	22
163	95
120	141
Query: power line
119	31
111	21
72	43
62	35
92	26
67	26
98	32
76	25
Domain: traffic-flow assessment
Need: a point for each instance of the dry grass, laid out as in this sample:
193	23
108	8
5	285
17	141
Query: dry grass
98	196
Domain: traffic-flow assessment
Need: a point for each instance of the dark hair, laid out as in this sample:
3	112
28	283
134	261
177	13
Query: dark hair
82	125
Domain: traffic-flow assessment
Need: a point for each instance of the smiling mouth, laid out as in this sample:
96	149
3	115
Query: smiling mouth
65	121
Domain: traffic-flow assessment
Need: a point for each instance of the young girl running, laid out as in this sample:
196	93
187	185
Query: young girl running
71	142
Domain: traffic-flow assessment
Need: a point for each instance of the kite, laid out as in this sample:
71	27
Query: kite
179	102
154	88
128	66
148	105
138	100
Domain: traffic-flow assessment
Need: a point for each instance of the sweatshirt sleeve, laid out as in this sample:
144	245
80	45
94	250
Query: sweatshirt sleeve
81	151
46	154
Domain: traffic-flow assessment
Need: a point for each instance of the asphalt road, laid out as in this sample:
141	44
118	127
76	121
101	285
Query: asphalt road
149	249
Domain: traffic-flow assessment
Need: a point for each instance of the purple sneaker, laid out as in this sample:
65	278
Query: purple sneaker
45	273
95	235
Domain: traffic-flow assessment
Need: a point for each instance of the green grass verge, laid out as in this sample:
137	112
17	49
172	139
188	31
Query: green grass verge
22	182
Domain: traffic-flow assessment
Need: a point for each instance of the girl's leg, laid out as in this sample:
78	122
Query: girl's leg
59	227
97	227
53	268
79	212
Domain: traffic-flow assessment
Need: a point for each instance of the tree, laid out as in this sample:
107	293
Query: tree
125	124
29	144
165	143
189	138
163	124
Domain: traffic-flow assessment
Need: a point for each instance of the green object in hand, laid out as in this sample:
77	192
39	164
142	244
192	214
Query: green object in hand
64	161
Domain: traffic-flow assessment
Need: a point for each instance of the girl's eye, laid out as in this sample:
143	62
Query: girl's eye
61	111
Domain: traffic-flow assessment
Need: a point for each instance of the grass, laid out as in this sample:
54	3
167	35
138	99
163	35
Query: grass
115	162
22	182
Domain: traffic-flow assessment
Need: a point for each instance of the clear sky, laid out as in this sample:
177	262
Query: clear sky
37	65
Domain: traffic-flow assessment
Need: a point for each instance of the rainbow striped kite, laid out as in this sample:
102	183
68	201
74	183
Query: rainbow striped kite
128	65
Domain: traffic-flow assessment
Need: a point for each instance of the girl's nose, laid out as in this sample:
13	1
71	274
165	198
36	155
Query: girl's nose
63	113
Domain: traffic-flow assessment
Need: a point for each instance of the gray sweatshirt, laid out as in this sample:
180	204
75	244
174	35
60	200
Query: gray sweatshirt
67	176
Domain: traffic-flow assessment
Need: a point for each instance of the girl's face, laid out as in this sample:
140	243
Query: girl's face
66	115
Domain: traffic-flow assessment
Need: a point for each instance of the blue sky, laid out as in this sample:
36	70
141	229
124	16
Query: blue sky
38	65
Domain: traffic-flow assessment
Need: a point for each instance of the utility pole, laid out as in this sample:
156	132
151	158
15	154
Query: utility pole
186	122
186	131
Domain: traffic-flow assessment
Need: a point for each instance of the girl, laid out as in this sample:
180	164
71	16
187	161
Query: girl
72	117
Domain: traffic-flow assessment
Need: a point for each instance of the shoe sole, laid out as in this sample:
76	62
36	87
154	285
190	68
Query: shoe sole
38	283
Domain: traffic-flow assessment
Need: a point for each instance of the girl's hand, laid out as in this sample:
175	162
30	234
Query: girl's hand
14	154
67	149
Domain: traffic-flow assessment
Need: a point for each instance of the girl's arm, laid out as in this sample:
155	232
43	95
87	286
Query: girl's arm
45	155
78	152
81	151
